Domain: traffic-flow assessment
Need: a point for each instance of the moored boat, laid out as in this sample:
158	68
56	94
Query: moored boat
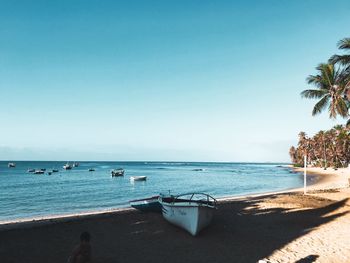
55	170
67	166
150	204
75	164
138	178
192	212
38	172
117	172
31	170
11	165
91	170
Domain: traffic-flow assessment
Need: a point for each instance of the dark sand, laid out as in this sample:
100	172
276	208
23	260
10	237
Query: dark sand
244	230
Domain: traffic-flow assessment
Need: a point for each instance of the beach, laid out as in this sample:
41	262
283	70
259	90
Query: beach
203	112
274	227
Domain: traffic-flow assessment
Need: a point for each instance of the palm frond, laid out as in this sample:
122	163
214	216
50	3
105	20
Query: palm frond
320	106
316	80
348	123
313	93
342	108
340	59
344	43
334	59
327	73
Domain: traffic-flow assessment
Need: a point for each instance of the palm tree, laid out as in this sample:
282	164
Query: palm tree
342	143
344	61
293	154
303	147
330	83
320	142
324	149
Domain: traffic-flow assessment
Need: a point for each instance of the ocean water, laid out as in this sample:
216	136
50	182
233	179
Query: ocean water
25	195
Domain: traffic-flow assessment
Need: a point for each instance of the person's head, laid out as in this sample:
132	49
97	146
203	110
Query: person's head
85	237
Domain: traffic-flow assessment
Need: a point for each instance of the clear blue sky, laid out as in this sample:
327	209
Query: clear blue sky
161	80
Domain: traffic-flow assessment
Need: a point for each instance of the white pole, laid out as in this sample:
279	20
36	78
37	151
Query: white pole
304	174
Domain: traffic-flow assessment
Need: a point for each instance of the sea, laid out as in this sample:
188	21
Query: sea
25	195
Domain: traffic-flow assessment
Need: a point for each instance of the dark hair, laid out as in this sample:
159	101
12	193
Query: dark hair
85	236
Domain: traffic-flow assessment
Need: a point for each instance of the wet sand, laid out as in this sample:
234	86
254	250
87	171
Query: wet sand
283	227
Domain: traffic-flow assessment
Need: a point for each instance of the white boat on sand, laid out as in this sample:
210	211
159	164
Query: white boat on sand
138	178
192	212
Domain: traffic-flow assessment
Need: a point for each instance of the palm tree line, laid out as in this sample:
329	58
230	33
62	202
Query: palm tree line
332	90
329	148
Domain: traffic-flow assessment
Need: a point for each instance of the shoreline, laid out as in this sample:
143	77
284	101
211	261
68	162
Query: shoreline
318	179
327	179
50	219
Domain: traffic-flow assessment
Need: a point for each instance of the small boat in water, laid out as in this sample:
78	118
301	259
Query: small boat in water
117	172
150	204
31	170
91	170
55	170
192	212
67	166
11	165
75	164
138	178
38	172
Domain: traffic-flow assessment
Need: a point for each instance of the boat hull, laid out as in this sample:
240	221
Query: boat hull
147	205
138	178
192	218
11	165
117	172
